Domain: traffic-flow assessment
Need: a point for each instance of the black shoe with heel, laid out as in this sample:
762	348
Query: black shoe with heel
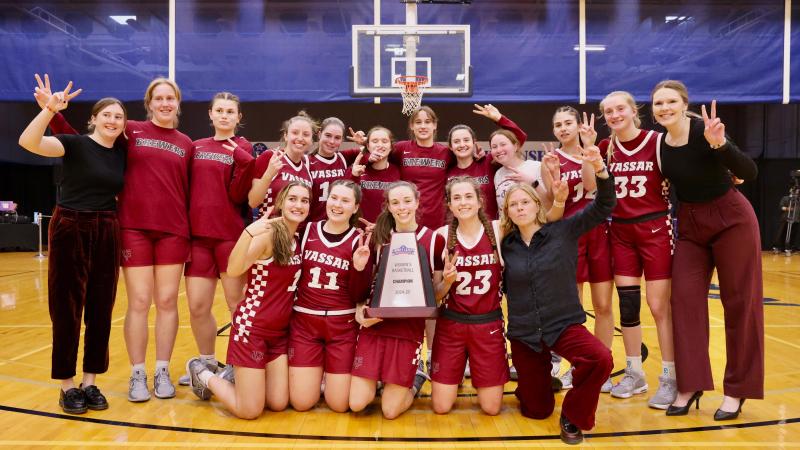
683	410
725	415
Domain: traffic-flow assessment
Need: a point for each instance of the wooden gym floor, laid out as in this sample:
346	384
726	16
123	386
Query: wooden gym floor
30	415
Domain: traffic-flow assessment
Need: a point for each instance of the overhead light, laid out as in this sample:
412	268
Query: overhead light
122	20
676	19
591	48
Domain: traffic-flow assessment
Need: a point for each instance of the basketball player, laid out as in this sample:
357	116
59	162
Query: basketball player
471	321
377	174
641	242
268	251
389	350
327	163
323	329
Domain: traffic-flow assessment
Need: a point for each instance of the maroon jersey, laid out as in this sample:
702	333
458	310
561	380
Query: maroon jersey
373	183
636	165
426	167
267	305
324	171
478	287
571	170
325	283
156	189
413	329
483	173
212	212
291	171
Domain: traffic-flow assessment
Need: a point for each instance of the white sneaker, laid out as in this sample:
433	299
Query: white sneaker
467	373
632	383
555	360
566	379
137	388
162	384
665	395
606	388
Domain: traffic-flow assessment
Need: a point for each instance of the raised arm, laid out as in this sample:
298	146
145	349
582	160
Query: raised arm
265	170
601	207
42	94
254	243
491	112
726	151
33	138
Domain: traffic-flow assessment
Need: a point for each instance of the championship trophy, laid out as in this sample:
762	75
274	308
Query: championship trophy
404	288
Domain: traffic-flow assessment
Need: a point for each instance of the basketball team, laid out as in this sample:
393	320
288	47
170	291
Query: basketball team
298	280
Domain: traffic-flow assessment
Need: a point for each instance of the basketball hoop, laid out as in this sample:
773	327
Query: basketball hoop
411	89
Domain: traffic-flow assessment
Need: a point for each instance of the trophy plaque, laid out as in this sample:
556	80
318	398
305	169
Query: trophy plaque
404	287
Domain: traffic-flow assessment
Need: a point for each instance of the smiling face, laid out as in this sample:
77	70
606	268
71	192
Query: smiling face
109	122
464	200
565	127
225	115
163	105
402	204
379	144
330	139
503	150
296	204
341	204
299	138
423	126
619	112
461	143
521	208
669	107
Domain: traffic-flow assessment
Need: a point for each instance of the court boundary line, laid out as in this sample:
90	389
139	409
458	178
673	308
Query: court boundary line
172	428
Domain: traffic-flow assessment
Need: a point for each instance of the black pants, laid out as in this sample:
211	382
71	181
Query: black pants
83	270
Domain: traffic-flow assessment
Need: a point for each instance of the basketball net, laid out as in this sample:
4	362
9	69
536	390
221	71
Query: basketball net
411	89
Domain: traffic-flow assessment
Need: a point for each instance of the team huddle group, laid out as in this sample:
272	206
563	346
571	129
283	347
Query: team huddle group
493	225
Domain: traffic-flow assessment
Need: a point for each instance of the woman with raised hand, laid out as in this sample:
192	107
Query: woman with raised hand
268	252
218	188
322	337
470	325
544	311
717	229
463	143
388	351
84	256
641	243
594	249
154	221
375	175
275	168
328	163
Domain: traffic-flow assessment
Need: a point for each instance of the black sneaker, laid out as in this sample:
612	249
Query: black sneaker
95	400
73	401
570	434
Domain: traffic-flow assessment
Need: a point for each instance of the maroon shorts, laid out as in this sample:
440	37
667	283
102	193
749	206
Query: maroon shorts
643	247
209	257
594	255
255	351
153	248
322	341
485	343
385	358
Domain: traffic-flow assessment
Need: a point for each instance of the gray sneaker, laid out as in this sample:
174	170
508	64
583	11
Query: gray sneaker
162	384
606	388
419	379
513	373
555	360
184	379
226	373
665	395
194	367
467	373
566	379
632	383
137	388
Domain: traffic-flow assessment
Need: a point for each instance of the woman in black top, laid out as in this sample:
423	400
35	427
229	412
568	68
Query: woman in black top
544	311
83	263
716	228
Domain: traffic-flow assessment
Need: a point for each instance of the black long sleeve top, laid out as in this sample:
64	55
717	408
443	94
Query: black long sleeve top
698	172
539	279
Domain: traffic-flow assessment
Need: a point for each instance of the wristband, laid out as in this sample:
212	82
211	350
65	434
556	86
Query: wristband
557	204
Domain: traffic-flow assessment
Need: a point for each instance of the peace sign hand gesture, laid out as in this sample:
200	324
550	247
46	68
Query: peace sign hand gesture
359	137
42	92
361	253
489	111
450	272
357	168
550	161
591	155
714	128
275	165
586	130
368	226
231	146
60	100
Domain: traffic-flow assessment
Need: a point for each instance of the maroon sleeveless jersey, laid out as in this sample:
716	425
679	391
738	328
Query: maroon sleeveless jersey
324	284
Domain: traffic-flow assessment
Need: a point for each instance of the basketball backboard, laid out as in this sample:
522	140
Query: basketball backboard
381	53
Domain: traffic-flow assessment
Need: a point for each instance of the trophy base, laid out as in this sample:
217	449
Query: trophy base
405	312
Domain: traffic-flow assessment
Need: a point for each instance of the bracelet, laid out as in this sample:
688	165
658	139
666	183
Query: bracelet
248	232
558	204
51	109
718	146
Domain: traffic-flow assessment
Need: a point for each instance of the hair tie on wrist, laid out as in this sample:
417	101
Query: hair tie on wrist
559	204
248	232
51	109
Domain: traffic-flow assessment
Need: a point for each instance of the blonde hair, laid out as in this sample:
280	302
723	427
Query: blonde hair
148	97
487	224
301	115
282	240
506	224
637	121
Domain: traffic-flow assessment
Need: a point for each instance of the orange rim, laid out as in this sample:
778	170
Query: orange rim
411	83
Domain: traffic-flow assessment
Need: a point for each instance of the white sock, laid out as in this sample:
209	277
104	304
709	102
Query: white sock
136	367
209	360
635	364
205	376
162	365
668	369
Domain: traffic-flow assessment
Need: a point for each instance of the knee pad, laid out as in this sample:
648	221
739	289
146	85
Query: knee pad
630	303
